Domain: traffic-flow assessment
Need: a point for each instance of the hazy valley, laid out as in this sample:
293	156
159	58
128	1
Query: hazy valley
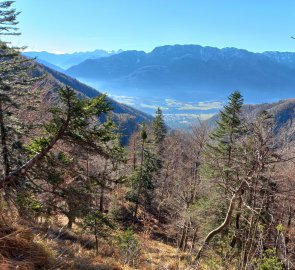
188	82
179	157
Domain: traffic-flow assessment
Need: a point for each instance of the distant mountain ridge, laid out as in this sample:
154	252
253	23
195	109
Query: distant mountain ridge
286	58
189	81
67	60
193	68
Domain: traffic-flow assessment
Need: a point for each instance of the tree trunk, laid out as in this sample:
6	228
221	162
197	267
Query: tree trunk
183	235
140	181
238	216
216	231
185	238
4	152
101	199
8	179
96	237
71	220
194	239
102	188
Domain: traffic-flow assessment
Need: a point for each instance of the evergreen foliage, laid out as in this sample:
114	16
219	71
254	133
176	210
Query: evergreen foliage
177	186
15	85
223	146
229	124
159	128
141	178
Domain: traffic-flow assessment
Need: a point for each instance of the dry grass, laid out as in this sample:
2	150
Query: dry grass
18	250
161	256
71	254
60	249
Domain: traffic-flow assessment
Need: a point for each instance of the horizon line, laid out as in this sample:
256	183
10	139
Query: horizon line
58	52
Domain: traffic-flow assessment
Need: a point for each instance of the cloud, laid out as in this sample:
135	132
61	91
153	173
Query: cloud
188	107
193	106
124	99
153	107
173	103
186	117
210	105
201	106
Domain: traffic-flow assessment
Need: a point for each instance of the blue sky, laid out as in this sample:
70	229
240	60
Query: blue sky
86	25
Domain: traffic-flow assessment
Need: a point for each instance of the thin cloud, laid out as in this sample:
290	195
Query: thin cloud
193	106
153	107
201	106
188	117
172	102
124	99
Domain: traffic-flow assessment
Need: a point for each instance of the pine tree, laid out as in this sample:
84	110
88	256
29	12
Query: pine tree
141	178
14	83
74	122
8	15
224	138
159	128
221	161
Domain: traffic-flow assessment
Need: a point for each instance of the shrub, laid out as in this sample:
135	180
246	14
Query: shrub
269	261
129	246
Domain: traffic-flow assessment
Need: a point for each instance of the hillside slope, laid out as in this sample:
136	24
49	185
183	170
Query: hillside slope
283	113
125	116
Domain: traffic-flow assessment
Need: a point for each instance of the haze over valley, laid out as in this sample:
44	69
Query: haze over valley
188	82
147	135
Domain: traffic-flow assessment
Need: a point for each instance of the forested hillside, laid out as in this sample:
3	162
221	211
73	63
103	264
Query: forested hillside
73	197
283	113
126	117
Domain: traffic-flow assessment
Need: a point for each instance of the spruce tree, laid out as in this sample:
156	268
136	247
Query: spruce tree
141	178
74	122
86	166
159	128
14	83
222	158
224	138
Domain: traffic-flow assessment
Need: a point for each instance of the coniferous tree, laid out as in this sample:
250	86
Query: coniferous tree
243	156
14	83
141	178
72	185
159	128
222	154
223	146
73	122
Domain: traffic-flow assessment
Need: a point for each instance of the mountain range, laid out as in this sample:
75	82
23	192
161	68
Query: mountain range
188	82
67	60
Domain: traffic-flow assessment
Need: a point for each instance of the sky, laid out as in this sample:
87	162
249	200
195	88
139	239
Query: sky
65	26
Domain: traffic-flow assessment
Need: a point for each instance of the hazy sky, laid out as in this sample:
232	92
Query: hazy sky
85	25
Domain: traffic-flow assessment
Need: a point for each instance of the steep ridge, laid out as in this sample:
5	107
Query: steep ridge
125	116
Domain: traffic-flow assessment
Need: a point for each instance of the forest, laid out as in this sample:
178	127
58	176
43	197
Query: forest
216	196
